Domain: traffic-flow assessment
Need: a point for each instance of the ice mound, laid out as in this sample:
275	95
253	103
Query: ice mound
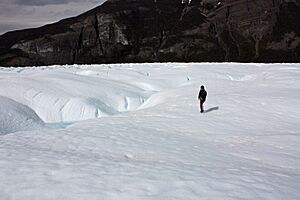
17	117
60	95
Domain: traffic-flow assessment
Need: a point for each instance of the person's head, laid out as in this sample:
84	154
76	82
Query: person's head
202	87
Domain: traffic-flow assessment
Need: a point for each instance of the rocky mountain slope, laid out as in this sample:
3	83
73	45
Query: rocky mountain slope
163	31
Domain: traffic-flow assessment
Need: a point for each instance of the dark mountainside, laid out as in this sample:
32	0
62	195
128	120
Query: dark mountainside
163	31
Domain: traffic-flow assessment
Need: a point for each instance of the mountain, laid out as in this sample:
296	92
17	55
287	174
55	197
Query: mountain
163	31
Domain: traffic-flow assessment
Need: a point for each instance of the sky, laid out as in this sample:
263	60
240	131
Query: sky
21	14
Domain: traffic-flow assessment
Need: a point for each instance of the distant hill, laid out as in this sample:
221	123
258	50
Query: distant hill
163	31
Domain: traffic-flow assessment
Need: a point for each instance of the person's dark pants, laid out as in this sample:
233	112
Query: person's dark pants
201	106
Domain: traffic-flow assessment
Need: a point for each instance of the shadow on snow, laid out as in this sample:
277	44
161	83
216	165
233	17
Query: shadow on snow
212	109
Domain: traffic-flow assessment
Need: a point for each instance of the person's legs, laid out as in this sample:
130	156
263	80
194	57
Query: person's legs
201	106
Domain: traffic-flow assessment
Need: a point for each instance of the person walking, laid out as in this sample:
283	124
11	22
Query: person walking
202	97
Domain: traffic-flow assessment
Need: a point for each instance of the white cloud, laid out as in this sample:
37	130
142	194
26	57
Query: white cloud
17	14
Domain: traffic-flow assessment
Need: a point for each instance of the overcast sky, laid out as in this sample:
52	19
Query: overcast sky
20	14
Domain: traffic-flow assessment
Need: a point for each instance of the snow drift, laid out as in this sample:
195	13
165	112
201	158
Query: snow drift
57	95
17	117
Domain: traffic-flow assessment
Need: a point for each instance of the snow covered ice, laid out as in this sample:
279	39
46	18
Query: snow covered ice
134	131
15	117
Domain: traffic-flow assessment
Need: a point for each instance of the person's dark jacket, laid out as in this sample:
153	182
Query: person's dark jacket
202	95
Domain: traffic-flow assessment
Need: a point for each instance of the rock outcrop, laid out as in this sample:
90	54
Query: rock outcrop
163	31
